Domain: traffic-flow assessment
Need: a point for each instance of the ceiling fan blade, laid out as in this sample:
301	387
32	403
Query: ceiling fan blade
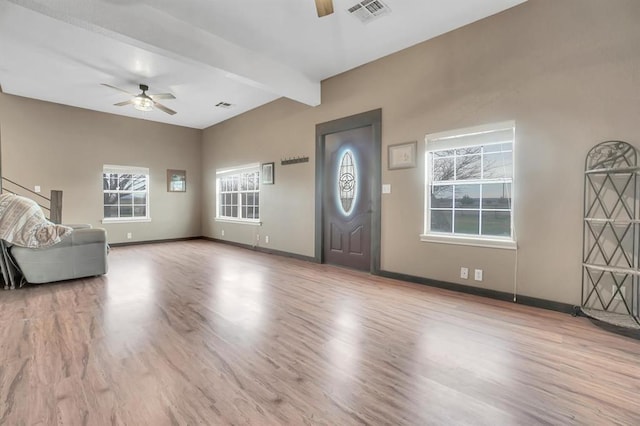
324	7
162	96
164	108
129	102
118	89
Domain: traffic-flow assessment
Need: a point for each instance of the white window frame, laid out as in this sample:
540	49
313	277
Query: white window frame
463	138
121	170
237	171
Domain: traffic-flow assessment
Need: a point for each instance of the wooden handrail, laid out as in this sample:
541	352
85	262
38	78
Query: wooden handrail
25	188
55	202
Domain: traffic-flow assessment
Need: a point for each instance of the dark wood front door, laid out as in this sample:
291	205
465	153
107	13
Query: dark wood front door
348	168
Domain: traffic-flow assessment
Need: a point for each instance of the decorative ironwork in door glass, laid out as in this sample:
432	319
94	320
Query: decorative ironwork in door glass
610	272
347	182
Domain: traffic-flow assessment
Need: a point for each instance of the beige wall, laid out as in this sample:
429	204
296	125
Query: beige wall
61	147
568	73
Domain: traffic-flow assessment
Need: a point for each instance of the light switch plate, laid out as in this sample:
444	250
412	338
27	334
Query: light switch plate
478	275
386	188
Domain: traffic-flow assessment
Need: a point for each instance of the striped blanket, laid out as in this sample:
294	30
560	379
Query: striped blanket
22	223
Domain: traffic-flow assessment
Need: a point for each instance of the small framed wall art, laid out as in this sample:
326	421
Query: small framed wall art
402	155
267	173
176	180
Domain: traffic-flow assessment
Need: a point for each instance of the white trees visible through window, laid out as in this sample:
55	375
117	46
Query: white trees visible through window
125	193
239	193
469	183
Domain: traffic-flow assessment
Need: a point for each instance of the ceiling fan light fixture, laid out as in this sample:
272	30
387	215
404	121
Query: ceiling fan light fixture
142	103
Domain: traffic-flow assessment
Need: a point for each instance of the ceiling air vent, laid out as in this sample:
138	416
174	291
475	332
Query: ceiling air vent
368	10
226	105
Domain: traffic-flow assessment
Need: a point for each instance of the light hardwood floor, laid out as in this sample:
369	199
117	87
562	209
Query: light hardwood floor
202	333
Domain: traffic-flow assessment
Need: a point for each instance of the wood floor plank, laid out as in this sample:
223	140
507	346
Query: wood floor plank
202	333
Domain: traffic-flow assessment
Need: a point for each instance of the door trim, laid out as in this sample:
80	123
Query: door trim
370	118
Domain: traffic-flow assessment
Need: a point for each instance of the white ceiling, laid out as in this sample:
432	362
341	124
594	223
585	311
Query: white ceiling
245	52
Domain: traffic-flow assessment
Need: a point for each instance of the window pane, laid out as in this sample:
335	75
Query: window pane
140	211
442	196
442	169
244	212
251	183
445	153
467	196
469	150
227	211
498	147
125	182
234	211
468	167
234	199
109	181
126	198
126	211
140	198
467	222
111	211
498	165
441	220
140	183
496	196
496	223
256	198
256	212
110	198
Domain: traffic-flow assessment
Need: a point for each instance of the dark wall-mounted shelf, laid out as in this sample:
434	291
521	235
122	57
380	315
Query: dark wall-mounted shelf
294	160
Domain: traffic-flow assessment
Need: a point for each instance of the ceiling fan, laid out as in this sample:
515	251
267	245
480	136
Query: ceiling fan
324	7
144	102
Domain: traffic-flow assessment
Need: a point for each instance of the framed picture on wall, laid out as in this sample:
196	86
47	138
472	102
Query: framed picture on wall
176	180
402	155
267	173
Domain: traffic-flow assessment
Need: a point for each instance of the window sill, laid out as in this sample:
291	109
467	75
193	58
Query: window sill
469	241
254	222
127	220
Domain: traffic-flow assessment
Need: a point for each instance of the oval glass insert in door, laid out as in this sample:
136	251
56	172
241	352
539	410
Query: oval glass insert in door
347	182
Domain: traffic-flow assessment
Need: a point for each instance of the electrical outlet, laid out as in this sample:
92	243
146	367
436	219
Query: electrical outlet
266	239
478	275
37	189
129	235
223	232
464	273
258	237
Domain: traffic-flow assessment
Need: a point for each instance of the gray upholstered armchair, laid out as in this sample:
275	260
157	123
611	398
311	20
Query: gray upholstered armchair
43	251
81	254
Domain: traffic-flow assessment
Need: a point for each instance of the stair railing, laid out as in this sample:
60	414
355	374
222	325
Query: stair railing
52	206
